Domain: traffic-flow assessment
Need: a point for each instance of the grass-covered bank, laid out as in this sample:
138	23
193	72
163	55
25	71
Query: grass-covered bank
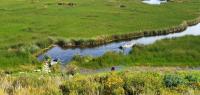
182	51
100	40
26	25
128	82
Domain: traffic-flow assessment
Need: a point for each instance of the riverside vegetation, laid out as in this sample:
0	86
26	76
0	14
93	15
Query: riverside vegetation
160	82
182	51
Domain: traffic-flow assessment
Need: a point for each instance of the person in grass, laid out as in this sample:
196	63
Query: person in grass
47	65
113	69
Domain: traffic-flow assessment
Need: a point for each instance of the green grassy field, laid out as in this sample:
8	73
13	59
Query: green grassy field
182	51
26	26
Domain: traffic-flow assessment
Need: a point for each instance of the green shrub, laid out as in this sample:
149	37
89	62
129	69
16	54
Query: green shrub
134	86
172	80
194	81
192	78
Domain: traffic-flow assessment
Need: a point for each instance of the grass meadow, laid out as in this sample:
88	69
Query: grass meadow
27	26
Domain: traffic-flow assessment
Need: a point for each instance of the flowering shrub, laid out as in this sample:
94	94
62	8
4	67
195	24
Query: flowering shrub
113	83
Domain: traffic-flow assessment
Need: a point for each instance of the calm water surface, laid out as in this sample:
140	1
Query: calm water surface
154	2
65	55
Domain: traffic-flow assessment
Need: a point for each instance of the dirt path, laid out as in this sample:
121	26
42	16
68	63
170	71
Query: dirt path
139	69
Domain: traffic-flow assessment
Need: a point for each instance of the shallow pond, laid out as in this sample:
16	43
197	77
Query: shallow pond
65	55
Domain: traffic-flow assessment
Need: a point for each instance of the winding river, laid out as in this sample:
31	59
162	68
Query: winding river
66	55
